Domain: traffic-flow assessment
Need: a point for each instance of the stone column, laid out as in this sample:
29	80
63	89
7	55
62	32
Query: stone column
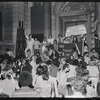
88	32
98	14
47	19
57	27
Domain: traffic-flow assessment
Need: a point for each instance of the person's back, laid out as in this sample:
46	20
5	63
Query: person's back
25	83
27	67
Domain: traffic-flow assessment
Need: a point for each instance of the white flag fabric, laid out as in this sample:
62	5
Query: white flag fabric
76	30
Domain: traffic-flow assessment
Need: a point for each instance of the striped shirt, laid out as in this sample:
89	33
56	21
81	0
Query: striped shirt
25	92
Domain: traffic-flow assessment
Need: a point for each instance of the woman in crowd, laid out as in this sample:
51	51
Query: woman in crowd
62	79
44	82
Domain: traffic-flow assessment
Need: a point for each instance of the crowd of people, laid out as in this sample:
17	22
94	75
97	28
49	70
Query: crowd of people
44	72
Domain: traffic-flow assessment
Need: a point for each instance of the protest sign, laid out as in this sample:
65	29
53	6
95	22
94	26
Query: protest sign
76	30
67	48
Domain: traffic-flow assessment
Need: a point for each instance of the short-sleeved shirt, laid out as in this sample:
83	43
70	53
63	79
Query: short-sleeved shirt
30	43
36	44
50	41
25	92
93	70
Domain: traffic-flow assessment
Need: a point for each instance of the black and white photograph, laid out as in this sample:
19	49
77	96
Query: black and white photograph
49	49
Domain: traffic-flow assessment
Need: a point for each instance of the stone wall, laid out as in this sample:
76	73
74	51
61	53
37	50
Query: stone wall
12	13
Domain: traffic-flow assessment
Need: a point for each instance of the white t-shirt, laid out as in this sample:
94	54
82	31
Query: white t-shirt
62	77
50	41
93	70
87	60
72	72
36	44
30	43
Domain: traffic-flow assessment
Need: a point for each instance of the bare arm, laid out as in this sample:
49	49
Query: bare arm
26	36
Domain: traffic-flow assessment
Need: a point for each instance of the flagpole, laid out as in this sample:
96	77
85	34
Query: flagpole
82	46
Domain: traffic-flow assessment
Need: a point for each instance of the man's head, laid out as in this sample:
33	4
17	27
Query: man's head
50	36
66	68
86	54
35	39
30	36
25	79
93	50
28	52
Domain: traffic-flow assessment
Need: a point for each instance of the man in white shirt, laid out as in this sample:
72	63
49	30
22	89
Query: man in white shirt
93	74
50	40
30	42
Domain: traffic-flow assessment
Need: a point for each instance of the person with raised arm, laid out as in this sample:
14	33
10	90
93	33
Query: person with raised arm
30	43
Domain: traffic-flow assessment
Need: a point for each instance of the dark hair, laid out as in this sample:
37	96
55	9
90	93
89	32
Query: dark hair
45	76
55	40
28	50
38	60
8	76
30	35
75	62
40	70
7	49
48	62
92	49
85	73
43	70
65	66
25	79
74	49
85	53
67	60
59	35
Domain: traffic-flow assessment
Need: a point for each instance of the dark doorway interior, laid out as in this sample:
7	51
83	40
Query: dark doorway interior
1	34
37	21
38	36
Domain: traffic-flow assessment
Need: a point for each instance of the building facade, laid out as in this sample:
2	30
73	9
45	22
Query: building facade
57	17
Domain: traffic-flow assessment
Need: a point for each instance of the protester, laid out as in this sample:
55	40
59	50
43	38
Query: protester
30	43
86	58
93	53
50	73
50	40
44	44
36	45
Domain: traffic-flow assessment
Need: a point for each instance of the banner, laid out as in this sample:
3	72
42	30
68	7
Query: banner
76	30
67	48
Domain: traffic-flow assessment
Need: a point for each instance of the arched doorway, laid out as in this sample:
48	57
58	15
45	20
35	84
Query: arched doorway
71	14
